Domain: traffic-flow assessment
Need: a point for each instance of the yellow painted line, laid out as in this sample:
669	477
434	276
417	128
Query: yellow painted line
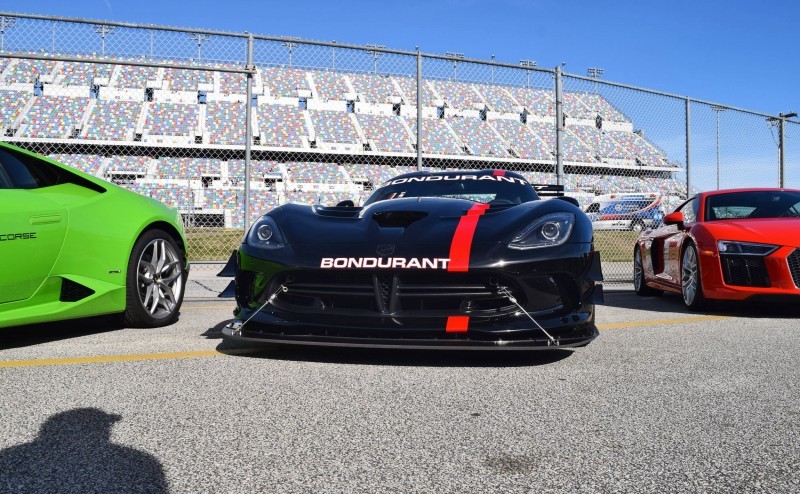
123	358
241	351
653	322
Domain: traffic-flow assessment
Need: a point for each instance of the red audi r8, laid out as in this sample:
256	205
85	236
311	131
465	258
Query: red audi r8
741	244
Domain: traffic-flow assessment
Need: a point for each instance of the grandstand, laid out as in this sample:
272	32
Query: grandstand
319	135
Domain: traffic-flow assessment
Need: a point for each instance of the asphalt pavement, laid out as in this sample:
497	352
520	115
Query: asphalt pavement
662	401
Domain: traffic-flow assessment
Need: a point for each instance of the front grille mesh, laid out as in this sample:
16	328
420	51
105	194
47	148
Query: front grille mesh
794	266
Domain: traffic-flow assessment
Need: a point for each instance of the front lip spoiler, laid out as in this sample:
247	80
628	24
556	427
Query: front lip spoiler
231	332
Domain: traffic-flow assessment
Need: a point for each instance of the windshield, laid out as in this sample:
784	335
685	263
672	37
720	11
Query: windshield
487	189
754	204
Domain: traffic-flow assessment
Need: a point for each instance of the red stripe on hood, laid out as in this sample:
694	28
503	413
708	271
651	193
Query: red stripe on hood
499	173
457	324
462	239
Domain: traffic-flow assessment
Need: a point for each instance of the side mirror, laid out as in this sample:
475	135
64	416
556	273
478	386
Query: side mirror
570	200
346	204
675	218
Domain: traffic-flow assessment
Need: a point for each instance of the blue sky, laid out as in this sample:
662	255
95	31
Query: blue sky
733	52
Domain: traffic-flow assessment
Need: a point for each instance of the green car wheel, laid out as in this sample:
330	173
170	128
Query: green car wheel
73	246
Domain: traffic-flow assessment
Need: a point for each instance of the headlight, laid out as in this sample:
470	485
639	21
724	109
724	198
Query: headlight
745	248
548	231
265	233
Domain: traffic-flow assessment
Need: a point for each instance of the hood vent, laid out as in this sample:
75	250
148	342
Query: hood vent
397	219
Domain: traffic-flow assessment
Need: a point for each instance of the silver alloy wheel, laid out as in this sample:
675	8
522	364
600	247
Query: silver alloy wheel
689	276
637	226
638	272
160	278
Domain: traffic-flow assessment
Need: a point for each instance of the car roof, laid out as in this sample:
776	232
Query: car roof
425	173
749	189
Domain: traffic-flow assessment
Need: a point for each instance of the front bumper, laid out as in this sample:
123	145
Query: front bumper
422	309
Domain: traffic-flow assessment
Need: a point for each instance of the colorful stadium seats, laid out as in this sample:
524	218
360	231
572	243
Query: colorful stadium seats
387	133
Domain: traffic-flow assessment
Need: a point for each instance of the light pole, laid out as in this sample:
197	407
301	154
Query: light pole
595	73
780	121
333	55
457	56
375	54
5	23
717	110
492	69
103	30
290	45
200	38
527	63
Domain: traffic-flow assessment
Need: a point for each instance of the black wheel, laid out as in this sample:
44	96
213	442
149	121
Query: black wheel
638	276
155	282
691	283
637	226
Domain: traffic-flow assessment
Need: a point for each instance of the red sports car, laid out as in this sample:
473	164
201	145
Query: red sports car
740	244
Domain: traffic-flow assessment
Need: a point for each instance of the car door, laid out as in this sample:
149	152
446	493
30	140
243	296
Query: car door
32	227
673	243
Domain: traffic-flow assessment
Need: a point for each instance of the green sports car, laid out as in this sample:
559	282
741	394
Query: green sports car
72	245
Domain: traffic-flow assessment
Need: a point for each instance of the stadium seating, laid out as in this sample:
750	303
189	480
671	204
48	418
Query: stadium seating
259	169
232	83
645	153
330	85
225	122
458	94
387	133
284	81
499	99
282	126
331	126
321	173
187	80
23	71
11	104
522	140
536	101
54	117
171	119
574	107
601	106
87	163
83	74
602	144
132	164
133	77
113	120
409	87
436	137
194	168
375	174
374	88
479	137
574	149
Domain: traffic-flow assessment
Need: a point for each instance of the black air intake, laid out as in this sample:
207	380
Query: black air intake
794	266
398	219
73	292
744	271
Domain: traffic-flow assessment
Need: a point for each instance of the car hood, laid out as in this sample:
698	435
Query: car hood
776	231
423	220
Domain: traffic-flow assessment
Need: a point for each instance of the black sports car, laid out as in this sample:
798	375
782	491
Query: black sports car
456	259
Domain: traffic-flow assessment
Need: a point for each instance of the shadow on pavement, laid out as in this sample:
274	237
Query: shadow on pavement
34	334
74	453
672	303
397	357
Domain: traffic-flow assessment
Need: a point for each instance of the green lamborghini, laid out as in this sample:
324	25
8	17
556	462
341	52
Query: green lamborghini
72	246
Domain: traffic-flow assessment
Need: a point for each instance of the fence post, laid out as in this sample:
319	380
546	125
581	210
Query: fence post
419	110
688	152
248	131
781	154
559	128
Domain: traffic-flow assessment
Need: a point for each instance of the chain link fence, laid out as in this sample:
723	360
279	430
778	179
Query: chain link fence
225	126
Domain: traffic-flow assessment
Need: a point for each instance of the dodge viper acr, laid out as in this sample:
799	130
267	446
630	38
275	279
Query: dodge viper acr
72	245
741	244
467	259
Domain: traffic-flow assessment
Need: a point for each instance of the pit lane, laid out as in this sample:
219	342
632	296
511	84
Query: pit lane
662	400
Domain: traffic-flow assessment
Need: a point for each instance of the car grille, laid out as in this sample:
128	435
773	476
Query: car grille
794	266
745	271
396	295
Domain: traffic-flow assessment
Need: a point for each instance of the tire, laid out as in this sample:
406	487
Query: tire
156	281
691	283
639	284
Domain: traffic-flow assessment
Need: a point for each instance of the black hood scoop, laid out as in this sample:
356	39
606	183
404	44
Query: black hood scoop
397	219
